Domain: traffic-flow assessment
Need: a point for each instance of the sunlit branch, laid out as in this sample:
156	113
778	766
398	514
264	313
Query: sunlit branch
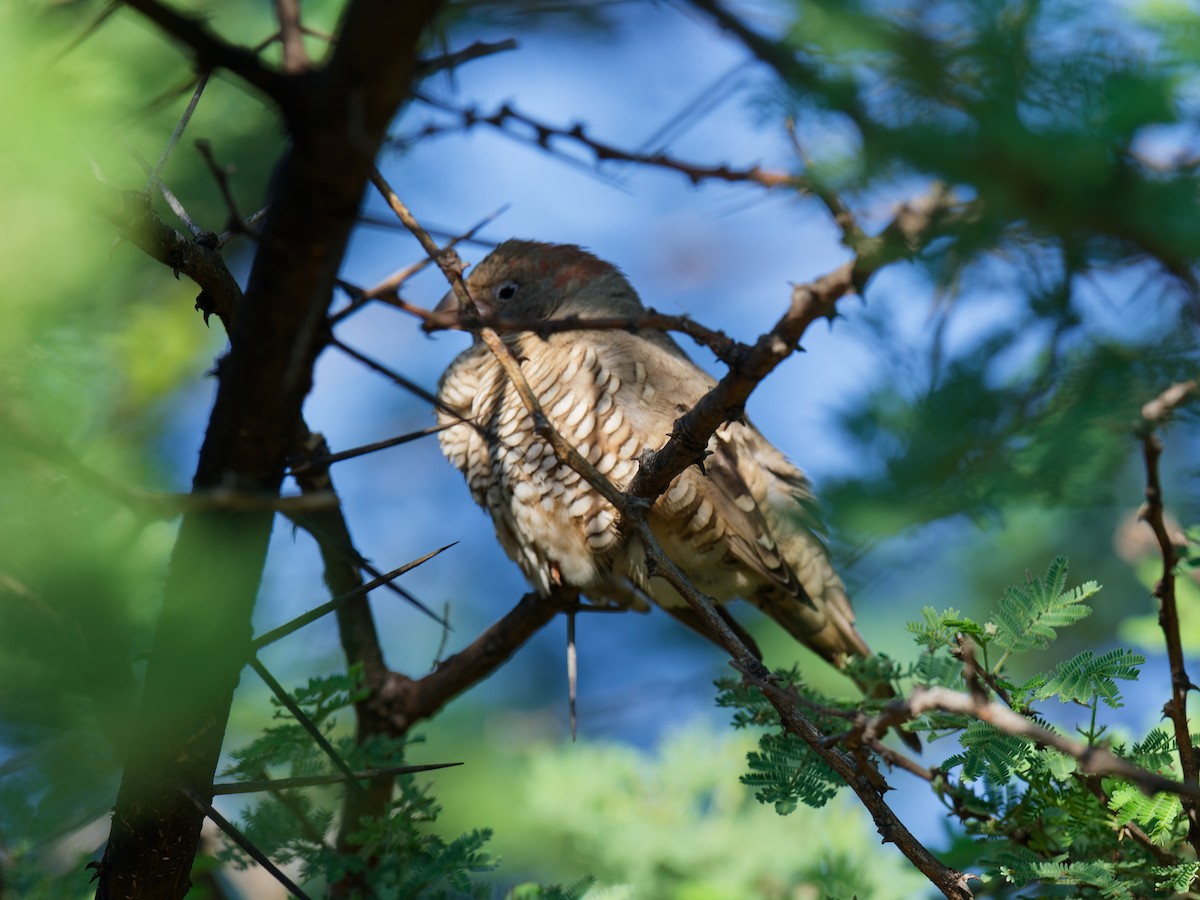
722	346
291	36
1093	759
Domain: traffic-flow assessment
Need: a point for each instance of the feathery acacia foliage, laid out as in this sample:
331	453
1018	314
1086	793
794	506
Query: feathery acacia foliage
1038	815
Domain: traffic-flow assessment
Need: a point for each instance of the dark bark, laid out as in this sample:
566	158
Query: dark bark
337	118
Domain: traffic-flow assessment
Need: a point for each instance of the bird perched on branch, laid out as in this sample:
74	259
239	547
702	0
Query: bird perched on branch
740	526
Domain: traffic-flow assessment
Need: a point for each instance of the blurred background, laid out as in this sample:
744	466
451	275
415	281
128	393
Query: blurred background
964	423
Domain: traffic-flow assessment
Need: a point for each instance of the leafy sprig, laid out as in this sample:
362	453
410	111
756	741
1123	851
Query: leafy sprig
1040	818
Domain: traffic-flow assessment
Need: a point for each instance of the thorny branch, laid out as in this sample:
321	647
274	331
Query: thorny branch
913	225
867	784
452	268
692	432
453	60
543	135
722	346
395	701
211	50
1093	759
275	337
1155	414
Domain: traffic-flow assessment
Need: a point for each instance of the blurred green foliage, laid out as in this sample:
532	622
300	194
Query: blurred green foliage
94	346
667	822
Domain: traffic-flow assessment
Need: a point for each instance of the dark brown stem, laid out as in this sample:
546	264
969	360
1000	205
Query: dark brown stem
212	51
868	786
911	227
203	634
405	701
1154	414
722	346
543	135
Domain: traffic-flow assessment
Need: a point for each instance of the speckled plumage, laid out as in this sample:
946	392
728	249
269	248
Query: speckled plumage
743	528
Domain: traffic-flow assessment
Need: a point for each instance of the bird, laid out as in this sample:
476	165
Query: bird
742	525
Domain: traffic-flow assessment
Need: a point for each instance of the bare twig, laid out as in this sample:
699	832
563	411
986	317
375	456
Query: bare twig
843	216
395	588
452	267
1154	414
174	203
722	346
221	174
543	136
658	563
89	29
291	35
1159	410
388	288
477	50
408	384
337	602
977	676
790	67
245	228
406	701
136	221
912	225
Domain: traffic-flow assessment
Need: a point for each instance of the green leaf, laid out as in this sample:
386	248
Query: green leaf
941	629
1085	675
786	770
1155	752
1020	866
989	753
1157	815
1176	878
1028	614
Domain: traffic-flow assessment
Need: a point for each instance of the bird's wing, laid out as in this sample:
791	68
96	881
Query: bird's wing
750	501
750	536
718	505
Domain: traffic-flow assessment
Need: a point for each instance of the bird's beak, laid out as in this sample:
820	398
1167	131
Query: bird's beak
450	306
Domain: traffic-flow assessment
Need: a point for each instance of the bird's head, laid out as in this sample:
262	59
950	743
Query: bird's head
531	280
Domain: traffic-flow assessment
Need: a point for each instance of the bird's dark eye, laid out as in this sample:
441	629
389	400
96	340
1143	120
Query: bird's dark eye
505	291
